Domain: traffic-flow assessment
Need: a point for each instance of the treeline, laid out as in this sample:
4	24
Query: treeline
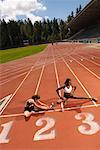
74	14
19	33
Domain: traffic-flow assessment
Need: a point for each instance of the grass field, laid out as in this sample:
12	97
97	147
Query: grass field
16	53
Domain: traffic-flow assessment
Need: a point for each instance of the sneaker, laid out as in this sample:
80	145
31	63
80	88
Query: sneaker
65	103
94	99
52	106
59	101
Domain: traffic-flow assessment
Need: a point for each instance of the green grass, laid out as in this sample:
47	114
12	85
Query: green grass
16	53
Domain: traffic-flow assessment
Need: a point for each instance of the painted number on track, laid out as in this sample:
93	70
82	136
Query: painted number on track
3	102
90	127
50	122
5	132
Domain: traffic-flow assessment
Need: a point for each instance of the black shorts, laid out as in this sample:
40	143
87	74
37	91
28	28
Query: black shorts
68	95
29	109
32	109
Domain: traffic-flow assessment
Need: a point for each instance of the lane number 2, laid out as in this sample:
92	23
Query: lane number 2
39	135
89	126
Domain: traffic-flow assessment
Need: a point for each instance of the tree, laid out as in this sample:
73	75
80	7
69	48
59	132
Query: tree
14	33
37	30
80	8
4	39
45	30
69	18
72	14
55	30
77	11
63	29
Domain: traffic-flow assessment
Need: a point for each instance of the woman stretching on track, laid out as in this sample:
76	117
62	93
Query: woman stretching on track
69	92
35	105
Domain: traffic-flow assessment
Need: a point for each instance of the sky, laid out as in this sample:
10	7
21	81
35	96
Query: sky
37	10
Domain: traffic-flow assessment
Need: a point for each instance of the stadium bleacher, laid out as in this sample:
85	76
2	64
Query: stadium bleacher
85	26
88	35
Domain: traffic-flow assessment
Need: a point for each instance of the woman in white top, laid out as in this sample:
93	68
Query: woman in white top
69	92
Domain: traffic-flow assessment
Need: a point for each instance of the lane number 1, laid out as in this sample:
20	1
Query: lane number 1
5	131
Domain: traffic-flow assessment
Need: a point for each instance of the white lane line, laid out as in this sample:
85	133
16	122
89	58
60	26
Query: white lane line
57	79
86	68
13	71
12	115
12	78
6	81
17	69
51	111
38	84
78	80
41	74
36	68
18	87
89	60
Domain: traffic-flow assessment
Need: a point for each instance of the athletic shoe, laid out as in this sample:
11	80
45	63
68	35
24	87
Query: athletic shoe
94	99
65	103
59	101
52	106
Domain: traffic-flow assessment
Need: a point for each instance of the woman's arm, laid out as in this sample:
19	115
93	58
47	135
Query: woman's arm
74	88
57	90
41	103
41	106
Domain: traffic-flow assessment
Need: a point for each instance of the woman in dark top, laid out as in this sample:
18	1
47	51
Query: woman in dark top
35	105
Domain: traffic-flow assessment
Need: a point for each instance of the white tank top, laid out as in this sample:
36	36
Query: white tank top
68	90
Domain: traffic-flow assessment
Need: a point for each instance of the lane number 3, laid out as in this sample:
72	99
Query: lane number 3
89	126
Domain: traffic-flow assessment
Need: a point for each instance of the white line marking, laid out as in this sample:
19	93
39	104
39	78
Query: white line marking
6	81
86	68
12	115
39	79
51	111
23	82
57	78
41	74
18	87
89	60
36	68
78	80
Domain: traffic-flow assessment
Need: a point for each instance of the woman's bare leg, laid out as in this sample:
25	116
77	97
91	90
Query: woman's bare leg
27	113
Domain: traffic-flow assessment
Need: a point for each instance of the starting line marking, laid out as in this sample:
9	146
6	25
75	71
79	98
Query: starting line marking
56	110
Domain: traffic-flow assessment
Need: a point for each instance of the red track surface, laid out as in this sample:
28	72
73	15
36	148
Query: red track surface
78	127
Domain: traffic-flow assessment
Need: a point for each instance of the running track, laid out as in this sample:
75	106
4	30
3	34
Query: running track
78	126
